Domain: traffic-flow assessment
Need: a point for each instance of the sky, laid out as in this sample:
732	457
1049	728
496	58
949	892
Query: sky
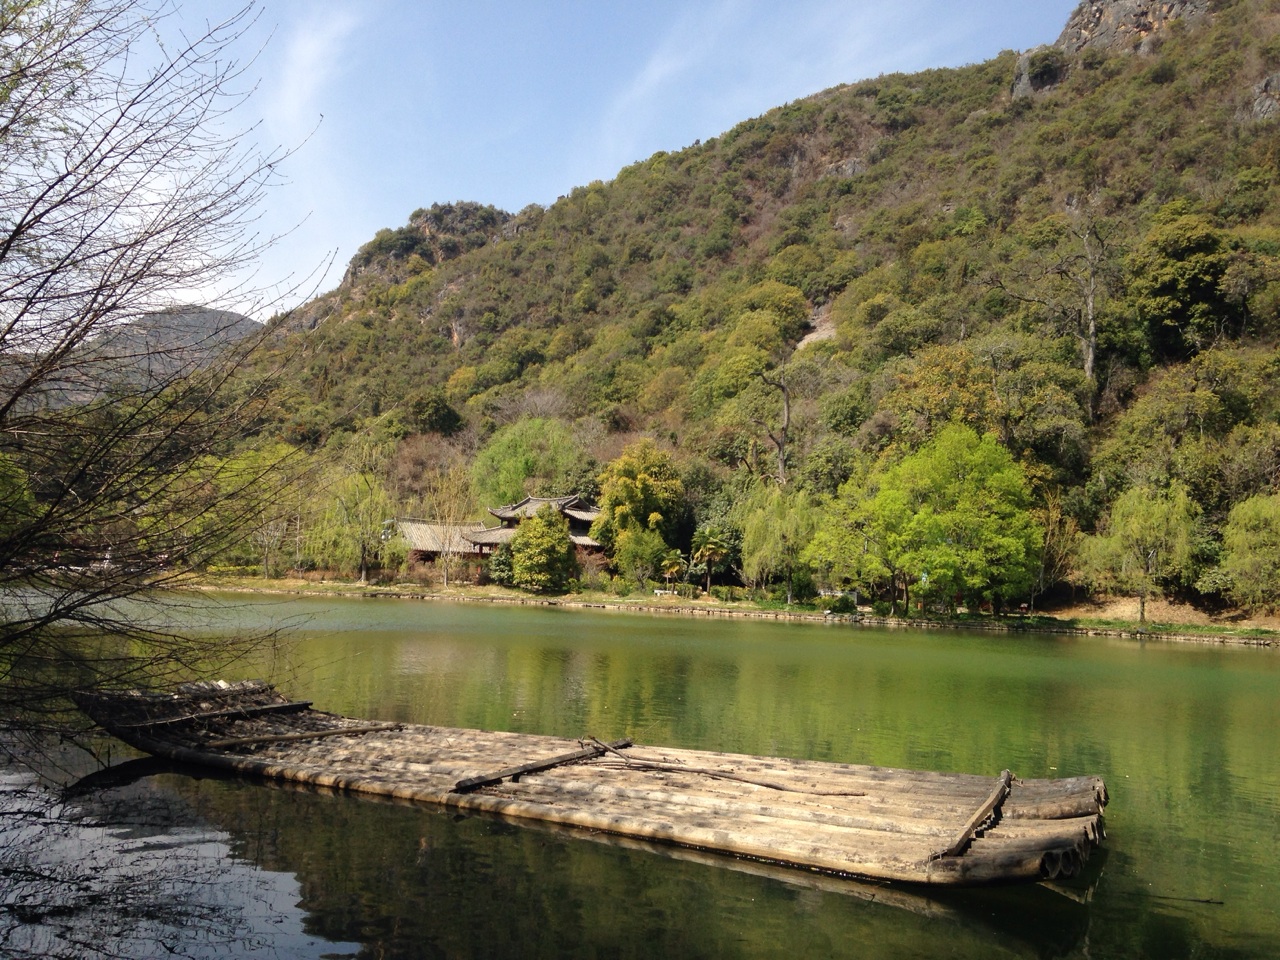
394	105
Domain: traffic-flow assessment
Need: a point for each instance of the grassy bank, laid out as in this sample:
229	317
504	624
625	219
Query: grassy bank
666	604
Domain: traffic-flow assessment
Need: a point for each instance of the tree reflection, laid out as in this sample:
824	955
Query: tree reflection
407	881
124	871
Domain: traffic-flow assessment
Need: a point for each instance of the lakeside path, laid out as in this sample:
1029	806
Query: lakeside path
1041	623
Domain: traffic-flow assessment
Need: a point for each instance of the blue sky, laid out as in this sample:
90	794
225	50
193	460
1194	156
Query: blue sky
401	103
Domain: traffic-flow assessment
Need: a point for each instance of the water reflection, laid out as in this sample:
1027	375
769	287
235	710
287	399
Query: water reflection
1183	735
408	881
130	870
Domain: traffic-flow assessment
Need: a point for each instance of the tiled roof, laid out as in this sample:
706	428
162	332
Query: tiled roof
572	506
431	537
492	535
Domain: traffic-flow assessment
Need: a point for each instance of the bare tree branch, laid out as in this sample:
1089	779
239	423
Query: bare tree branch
126	194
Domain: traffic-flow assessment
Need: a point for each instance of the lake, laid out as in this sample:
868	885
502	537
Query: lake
1185	735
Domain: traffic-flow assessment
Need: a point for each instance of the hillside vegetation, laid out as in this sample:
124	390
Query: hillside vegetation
1061	269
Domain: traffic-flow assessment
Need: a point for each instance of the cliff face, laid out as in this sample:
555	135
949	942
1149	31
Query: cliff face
1104	26
1125	24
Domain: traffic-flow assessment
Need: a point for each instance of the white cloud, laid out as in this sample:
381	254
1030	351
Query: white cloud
306	59
720	64
312	58
636	109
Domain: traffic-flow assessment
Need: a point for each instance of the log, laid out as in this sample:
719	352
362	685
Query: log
292	737
586	753
988	807
292	706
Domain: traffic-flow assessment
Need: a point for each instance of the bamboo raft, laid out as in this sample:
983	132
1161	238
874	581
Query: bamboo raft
833	818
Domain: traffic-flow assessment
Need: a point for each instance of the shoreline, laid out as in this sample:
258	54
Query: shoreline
694	609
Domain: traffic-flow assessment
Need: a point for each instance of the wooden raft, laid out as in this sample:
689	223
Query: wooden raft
877	822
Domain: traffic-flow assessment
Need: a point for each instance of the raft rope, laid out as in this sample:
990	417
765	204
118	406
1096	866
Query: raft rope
648	763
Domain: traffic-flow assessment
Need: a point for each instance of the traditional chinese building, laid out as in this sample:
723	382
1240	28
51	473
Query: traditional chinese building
428	539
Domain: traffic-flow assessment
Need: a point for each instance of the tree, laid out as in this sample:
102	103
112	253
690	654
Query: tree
641	488
640	554
780	436
1068	270
671	565
429	411
954	517
542	556
535	457
710	548
447	494
1146	543
124	191
1176	280
266	523
1061	540
1251	552
353	530
778	526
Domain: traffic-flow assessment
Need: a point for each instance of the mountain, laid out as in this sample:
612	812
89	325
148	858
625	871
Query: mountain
1076	248
145	354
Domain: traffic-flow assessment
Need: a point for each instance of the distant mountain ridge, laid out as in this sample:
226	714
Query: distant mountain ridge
149	352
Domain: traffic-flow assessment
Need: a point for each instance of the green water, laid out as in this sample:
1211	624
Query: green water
1185	736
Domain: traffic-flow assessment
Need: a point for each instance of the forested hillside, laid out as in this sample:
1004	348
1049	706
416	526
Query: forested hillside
1059	269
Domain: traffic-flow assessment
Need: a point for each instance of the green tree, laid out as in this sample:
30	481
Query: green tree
267	522
640	489
640	553
778	525
1146	543
350	533
1251	552
954	517
499	566
532	457
710	548
429	411
672	565
542	555
1176	276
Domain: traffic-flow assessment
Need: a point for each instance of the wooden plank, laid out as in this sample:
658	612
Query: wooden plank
586	753
308	735
292	706
989	806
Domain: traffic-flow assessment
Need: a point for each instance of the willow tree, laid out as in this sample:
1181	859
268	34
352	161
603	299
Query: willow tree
125	193
778	525
1251	552
1146	543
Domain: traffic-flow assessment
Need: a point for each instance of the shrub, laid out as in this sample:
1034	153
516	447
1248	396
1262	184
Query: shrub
843	604
499	568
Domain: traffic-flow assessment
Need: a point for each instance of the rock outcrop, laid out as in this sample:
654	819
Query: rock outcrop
1106	26
1265	104
1125	25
